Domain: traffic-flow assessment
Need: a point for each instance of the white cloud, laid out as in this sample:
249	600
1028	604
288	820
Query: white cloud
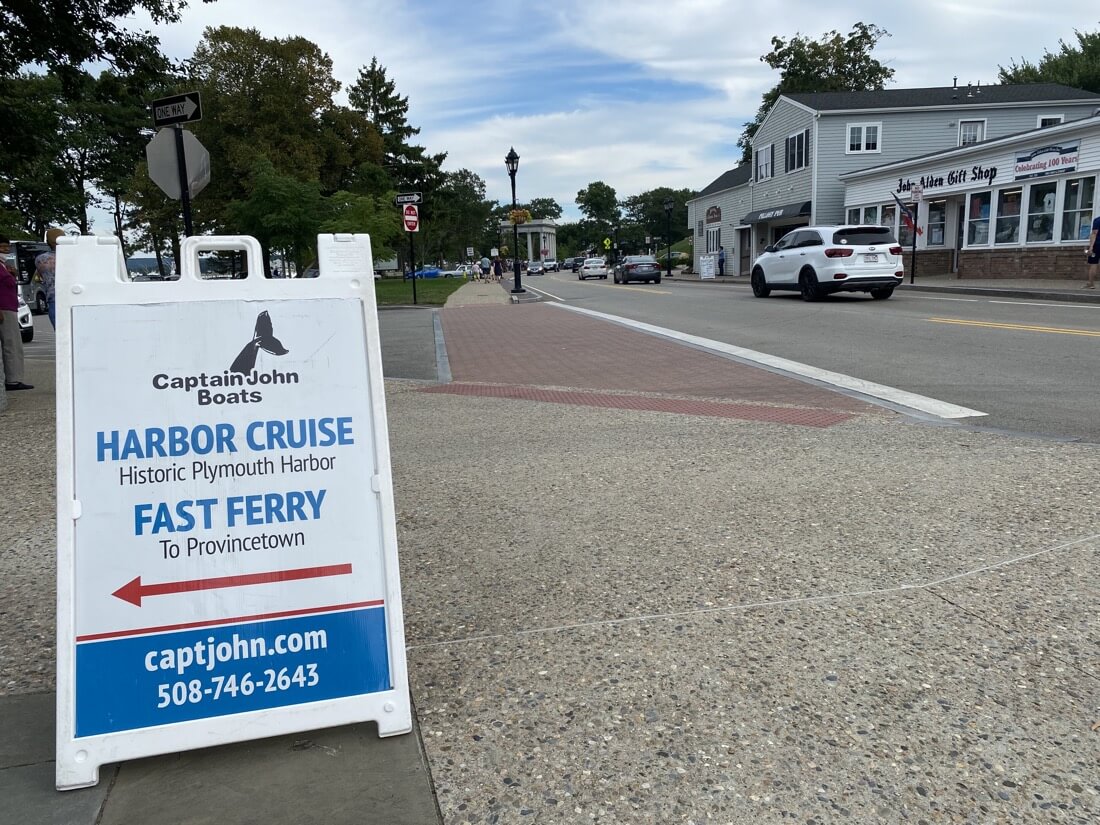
484	76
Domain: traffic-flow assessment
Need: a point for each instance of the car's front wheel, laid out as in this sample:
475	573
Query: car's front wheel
759	285
27	334
883	293
808	286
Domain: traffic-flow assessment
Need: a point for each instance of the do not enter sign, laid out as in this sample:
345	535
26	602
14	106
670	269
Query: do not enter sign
411	217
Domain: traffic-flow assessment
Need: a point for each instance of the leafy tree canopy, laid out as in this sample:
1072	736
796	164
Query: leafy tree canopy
1074	65
543	208
598	203
833	63
63	34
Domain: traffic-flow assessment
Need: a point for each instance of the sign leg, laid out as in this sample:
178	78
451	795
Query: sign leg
185	193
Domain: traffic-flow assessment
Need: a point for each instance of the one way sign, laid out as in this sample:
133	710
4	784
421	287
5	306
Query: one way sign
184	108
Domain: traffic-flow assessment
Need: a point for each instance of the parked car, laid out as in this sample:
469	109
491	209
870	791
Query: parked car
592	268
819	260
578	263
26	322
567	264
536	268
21	262
551	265
638	268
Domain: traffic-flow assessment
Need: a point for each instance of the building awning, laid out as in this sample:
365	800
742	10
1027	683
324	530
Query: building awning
800	209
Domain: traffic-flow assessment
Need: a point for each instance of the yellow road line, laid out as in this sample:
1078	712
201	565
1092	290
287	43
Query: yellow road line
1019	327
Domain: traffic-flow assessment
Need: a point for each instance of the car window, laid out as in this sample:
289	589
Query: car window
809	238
785	241
864	235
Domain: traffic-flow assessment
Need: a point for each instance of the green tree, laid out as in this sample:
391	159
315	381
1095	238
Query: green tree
1073	65
647	211
375	96
64	34
279	211
458	216
833	63
36	183
373	215
261	96
543	208
599	204
154	221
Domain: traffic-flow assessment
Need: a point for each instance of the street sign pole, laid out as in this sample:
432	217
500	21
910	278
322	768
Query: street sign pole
185	194
918	193
412	265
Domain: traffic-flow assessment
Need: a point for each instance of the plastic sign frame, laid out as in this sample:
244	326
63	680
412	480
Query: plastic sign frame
234	637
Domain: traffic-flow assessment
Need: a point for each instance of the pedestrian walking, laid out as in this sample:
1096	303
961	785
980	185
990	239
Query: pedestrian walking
498	269
721	260
1092	253
45	265
11	337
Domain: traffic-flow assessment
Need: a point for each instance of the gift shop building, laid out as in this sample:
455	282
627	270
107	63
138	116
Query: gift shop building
1018	206
839	157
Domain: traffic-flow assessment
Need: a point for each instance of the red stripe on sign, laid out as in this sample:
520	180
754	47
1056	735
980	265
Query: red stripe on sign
140	631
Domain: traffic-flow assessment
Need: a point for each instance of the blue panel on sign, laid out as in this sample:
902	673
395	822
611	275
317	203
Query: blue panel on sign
143	681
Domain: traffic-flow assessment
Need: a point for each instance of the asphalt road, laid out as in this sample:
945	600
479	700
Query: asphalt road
1030	365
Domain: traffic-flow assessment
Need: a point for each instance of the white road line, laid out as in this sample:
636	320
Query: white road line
928	298
921	403
1052	305
543	292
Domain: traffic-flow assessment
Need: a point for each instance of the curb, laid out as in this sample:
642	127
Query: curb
1009	292
1075	297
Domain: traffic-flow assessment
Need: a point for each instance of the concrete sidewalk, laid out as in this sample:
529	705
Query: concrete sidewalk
644	583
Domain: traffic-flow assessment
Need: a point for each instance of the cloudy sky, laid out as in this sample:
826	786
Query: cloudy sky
637	93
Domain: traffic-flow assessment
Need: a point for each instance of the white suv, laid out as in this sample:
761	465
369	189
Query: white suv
817	260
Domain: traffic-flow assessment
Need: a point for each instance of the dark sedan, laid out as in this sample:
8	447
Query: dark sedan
638	268
536	268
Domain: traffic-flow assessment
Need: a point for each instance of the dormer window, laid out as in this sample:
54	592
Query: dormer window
863	137
971	131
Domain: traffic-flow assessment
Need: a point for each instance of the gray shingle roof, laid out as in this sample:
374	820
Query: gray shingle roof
728	180
941	96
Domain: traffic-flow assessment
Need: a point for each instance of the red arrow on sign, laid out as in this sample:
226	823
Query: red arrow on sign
133	591
412	218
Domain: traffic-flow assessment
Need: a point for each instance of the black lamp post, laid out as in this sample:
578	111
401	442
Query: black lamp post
511	160
668	233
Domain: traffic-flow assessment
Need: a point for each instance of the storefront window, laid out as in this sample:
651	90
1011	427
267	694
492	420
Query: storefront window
888	216
1077	209
1008	216
1040	212
853	216
977	219
870	215
937	219
905	234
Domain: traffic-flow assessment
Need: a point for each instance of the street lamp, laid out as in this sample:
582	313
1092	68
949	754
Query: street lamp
511	160
668	233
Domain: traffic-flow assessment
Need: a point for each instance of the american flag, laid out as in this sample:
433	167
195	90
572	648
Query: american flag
907	215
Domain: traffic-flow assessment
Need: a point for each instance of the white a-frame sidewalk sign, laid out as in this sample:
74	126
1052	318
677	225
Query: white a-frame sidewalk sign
227	550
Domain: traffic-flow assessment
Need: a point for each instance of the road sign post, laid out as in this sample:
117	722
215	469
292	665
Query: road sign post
185	195
227	556
180	166
410	218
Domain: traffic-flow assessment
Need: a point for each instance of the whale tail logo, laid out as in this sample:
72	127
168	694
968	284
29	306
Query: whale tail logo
263	338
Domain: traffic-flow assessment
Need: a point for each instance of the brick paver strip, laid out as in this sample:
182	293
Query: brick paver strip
683	406
534	345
